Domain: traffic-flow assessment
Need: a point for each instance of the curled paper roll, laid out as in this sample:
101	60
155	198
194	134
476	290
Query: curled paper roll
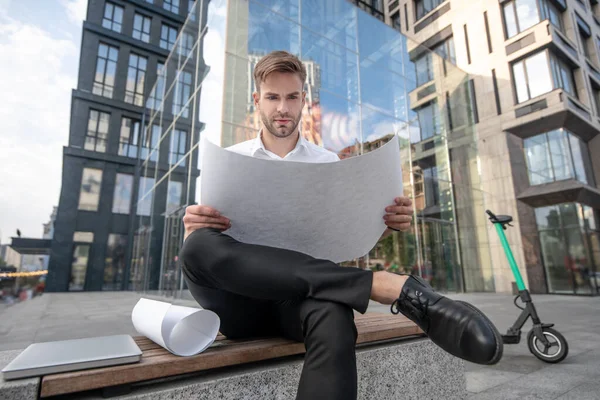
184	331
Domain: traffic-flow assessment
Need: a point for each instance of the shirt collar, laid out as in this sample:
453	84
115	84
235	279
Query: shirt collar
259	145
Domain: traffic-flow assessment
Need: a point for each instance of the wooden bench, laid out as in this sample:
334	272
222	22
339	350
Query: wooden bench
158	363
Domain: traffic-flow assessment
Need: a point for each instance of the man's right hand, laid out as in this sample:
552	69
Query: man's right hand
199	216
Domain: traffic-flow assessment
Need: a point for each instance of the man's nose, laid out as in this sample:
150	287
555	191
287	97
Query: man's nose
283	107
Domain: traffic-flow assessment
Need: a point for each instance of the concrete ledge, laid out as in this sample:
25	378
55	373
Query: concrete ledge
19	389
415	369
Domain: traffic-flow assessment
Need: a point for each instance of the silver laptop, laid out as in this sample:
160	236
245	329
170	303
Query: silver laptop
72	355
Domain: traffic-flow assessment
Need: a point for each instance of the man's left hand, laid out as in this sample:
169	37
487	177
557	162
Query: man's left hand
399	215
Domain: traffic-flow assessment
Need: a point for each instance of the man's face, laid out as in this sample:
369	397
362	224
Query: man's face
280	102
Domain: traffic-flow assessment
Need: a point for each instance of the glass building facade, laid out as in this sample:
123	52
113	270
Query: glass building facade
362	88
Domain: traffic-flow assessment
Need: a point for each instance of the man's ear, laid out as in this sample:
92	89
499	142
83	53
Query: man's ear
256	97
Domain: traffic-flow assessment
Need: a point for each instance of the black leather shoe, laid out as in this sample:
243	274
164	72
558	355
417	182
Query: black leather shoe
456	326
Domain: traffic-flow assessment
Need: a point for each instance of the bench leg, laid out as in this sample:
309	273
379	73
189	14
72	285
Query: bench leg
113	391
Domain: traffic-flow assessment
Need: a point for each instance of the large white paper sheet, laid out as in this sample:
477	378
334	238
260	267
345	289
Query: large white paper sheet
331	211
184	331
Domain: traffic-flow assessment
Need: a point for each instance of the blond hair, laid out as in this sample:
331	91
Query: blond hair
278	61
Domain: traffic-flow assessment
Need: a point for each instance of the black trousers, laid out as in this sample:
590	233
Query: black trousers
261	291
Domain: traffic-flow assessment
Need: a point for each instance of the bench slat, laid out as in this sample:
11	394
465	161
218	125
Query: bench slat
159	363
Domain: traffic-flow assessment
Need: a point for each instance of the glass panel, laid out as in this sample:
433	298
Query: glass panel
89	196
339	128
335	20
145	196
114	264
579	261
556	261
510	19
547	217
538	160
79	267
86	237
569	214
122	194
588	218
538	74
561	157
520	82
527	13
174	194
577	150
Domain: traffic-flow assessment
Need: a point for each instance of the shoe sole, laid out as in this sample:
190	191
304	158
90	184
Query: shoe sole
499	343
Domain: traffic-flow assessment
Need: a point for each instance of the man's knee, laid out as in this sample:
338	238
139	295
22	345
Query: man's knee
203	250
330	324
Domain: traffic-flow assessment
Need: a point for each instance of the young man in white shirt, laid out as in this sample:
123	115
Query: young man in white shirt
260	290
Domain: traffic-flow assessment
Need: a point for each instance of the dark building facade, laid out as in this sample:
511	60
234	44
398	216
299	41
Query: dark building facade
126	46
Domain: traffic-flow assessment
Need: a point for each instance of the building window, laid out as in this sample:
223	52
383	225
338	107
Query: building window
186	44
144	206
171	5
569	241
424	68
174	192
113	17
114	264
136	76
97	131
150	143
122	194
182	94
106	66
83	237
432	187
156	95
396	24
596	96
141	28
178	146
130	134
89	195
168	37
520	15
555	156
192	10
541	73
585	38
150	1
429	120
446	50
422	7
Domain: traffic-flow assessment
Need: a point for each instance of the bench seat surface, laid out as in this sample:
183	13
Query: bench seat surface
159	363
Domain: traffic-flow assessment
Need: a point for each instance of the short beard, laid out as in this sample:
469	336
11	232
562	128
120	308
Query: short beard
269	125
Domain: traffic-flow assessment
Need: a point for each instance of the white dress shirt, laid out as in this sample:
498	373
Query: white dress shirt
304	151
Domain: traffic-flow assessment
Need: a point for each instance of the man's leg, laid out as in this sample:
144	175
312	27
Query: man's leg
270	273
329	334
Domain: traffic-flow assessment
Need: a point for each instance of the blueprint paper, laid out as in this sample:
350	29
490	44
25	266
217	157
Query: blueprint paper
184	331
330	211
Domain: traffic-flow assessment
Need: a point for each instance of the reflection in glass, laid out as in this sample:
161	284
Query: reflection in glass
174	194
79	267
97	131
89	195
129	136
136	76
145	196
141	27
168	37
334	20
114	263
106	66
113	17
122	194
178	146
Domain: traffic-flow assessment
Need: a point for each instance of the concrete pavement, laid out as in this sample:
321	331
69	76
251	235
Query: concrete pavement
519	375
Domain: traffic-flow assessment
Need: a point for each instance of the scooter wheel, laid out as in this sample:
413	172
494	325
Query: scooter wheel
556	352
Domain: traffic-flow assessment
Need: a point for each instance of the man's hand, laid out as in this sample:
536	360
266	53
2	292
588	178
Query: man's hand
199	216
399	215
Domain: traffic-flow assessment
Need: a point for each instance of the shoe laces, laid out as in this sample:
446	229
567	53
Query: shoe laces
414	304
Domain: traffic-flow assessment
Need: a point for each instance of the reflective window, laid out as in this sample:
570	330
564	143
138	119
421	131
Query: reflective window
171	5
532	76
178	146
186	44
156	95
446	50
424	6
130	134
136	77
97	131
89	195
182	94
79	264
396	22
191	10
520	15
113	17
106	66
150	138
554	156
429	120
174	194
122	194
145	194
84	237
114	262
141	27
424	68
431	186
168	37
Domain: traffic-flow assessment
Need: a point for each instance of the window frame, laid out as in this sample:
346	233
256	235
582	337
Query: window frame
112	21
135	97
142	33
96	131
101	88
169	29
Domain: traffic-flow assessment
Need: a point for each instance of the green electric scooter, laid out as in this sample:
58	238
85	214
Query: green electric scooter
544	342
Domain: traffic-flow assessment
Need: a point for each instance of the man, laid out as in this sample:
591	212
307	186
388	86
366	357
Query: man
262	291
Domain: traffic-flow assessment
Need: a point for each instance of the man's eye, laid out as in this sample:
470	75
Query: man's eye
271	98
293	97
